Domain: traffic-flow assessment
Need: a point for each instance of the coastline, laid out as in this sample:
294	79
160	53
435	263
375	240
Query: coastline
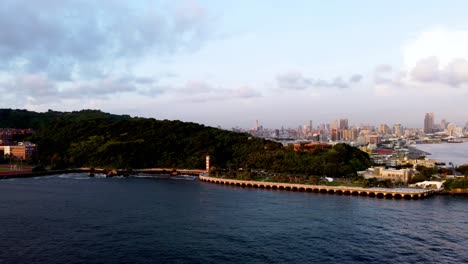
398	193
457	154
107	172
455	192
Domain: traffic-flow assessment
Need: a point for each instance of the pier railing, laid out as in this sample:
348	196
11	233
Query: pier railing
401	193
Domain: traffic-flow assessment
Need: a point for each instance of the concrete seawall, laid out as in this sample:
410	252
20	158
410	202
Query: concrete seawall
38	174
110	172
400	193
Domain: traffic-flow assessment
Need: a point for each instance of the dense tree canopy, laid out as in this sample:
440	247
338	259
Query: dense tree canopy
97	139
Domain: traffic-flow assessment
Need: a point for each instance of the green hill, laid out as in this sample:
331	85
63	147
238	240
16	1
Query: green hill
96	139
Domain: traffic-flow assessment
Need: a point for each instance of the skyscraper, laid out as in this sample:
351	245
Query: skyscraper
397	130
429	123
443	124
344	123
334	125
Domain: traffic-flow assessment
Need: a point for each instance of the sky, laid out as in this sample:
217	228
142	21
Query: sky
230	63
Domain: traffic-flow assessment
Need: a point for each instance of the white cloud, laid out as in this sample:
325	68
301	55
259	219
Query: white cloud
201	91
295	80
62	38
444	44
426	70
434	63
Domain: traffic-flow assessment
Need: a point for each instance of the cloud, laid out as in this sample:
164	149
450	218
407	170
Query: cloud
196	87
383	68
434	62
426	76
426	70
40	89
437	57
202	91
98	88
356	78
296	81
244	92
454	74
293	81
37	88
33	85
63	38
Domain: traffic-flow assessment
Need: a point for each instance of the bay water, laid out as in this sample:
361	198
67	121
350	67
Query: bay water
76	219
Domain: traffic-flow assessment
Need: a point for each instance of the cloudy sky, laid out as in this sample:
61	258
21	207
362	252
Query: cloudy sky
230	63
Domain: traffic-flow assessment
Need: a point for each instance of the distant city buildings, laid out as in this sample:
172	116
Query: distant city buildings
344	124
429	123
373	137
397	130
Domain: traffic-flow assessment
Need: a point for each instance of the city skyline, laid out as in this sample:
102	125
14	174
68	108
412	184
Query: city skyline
344	123
229	64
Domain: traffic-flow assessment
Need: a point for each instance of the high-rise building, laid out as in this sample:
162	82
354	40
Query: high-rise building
334	125
335	135
384	129
343	123
349	134
443	124
397	130
429	123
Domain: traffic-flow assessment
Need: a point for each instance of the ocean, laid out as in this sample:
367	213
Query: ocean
457	153
76	219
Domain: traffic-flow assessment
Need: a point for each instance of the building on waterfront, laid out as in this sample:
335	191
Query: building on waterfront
23	150
428	185
429	123
403	175
443	124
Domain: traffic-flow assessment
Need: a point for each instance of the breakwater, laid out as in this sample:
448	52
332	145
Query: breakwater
38	174
400	193
107	172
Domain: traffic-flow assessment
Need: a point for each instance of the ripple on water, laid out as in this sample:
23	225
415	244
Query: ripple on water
62	220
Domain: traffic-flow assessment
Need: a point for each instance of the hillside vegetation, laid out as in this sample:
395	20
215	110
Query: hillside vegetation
96	139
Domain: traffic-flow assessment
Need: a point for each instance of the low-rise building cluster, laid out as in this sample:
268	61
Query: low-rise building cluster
16	150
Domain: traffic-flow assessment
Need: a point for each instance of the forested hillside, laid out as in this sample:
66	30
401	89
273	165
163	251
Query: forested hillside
97	139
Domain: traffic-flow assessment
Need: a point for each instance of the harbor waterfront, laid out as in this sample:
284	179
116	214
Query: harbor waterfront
73	218
407	193
456	153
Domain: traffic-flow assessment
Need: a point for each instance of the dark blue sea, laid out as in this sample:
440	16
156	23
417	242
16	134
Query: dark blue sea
76	219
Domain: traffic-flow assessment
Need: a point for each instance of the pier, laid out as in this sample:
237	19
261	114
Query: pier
397	193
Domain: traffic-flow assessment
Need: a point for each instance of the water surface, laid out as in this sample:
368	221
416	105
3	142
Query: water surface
76	219
457	153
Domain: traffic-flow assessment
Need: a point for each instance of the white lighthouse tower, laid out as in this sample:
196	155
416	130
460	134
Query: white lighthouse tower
208	164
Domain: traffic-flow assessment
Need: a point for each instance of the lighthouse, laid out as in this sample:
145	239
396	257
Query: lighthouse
208	164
